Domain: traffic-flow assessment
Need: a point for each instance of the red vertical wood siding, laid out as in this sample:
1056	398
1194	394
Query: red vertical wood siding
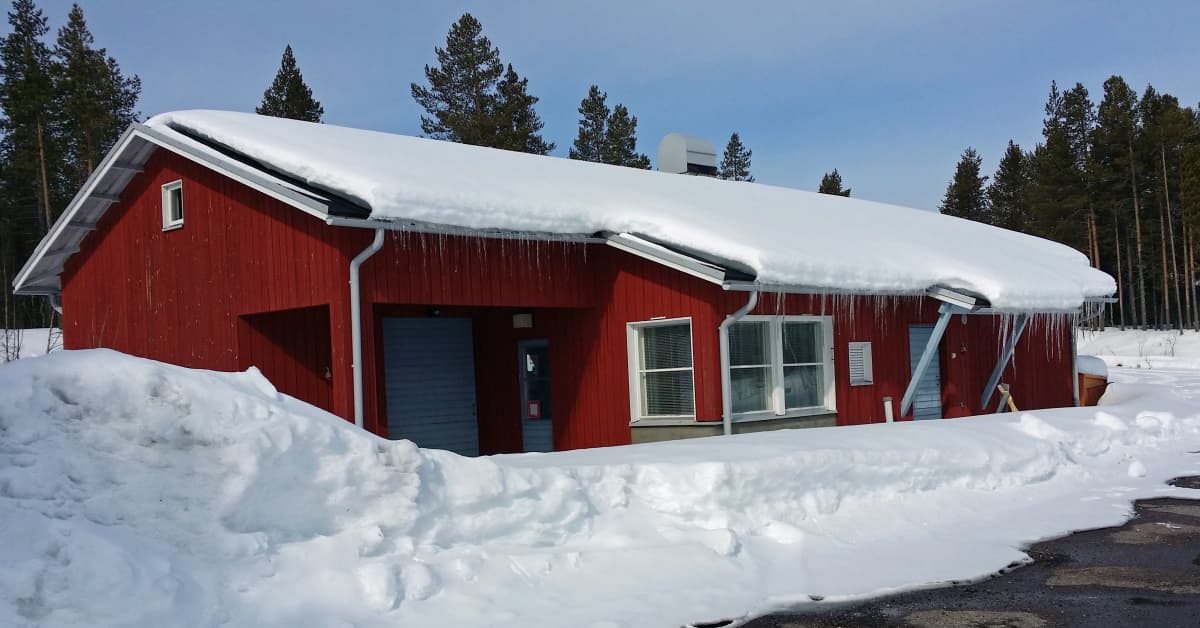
200	296
176	295
292	349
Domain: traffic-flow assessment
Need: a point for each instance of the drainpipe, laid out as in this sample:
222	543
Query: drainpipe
1074	368
356	323
726	385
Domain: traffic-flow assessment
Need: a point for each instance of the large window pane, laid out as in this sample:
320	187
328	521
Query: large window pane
750	389
803	386
748	344
802	343
666	347
667	393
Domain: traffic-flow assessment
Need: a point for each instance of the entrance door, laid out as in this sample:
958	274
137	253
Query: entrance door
429	379
537	427
927	403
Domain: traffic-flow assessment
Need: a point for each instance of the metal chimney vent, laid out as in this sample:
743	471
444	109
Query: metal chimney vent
685	154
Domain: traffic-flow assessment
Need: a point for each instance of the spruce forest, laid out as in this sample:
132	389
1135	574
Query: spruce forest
1119	180
64	103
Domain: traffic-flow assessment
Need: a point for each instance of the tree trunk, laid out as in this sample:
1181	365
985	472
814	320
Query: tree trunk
1190	253
44	176
1166	279
1137	320
1093	234
1137	224
1189	310
1171	235
1120	272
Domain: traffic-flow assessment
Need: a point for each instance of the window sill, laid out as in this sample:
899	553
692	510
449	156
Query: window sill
669	421
741	418
790	414
173	227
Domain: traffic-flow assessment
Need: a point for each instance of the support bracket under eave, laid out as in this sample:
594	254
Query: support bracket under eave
935	340
1010	346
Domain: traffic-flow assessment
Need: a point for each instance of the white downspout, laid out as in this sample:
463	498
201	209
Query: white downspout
726	385
1074	367
356	323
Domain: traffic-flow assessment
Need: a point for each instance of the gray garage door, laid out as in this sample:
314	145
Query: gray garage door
430	383
927	403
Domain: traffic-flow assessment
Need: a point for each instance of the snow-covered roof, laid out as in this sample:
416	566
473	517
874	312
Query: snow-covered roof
786	239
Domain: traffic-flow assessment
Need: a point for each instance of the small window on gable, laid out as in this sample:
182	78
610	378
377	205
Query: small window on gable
172	205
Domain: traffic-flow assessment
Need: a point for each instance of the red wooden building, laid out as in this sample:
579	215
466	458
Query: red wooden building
483	340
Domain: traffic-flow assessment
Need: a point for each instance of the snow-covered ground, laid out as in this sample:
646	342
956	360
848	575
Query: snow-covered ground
1142	348
28	343
139	494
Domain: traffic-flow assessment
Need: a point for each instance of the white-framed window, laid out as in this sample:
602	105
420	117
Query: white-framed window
172	205
781	365
661	373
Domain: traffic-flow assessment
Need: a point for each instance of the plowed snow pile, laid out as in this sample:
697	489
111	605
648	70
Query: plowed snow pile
135	493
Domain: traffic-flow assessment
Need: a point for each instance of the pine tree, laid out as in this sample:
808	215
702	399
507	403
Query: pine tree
1058	192
97	101
31	193
606	136
1054	203
289	96
1078	117
471	98
1189	204
592	126
831	183
1165	126
620	141
515	108
63	109
1189	185
1117	130
461	96
30	139
1007	192
965	196
735	164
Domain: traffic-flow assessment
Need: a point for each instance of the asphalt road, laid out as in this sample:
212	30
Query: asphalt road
1144	573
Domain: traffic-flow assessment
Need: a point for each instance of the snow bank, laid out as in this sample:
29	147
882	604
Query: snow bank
136	493
787	236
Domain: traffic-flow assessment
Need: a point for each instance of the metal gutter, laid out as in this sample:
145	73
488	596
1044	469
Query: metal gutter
417	226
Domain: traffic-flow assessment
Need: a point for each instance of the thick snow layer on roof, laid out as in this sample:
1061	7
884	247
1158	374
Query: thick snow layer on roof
788	237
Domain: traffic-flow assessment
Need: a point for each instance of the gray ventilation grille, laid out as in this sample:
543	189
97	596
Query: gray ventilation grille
861	370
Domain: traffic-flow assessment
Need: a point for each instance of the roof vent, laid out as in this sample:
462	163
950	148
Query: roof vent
685	154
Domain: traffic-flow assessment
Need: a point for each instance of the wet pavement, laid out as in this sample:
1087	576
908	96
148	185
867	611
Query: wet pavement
1144	573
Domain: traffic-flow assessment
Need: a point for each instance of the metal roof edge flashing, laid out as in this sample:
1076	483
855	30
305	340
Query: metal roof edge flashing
958	298
671	259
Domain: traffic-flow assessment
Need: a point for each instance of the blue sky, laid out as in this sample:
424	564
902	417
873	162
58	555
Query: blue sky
887	92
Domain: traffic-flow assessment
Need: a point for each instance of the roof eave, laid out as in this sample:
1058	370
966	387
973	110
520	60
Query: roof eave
103	188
